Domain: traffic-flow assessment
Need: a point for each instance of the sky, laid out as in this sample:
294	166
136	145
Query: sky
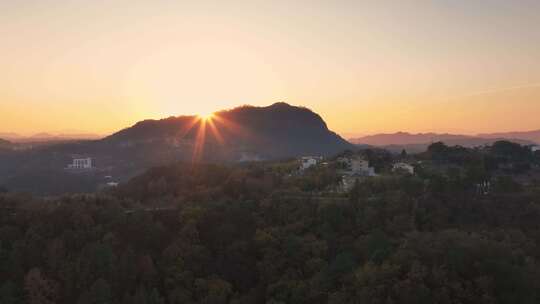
366	67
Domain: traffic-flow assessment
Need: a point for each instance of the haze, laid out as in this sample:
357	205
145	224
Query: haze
365	66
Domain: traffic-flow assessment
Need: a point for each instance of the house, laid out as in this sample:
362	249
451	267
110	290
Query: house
357	166
483	187
535	148
403	167
309	161
112	184
81	163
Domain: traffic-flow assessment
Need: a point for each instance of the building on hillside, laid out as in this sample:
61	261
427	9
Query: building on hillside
309	161
81	163
357	166
483	187
535	148
403	167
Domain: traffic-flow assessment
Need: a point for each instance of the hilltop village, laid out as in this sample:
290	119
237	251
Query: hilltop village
503	164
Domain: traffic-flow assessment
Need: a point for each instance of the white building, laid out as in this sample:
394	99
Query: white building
404	167
309	161
535	148
357	166
81	163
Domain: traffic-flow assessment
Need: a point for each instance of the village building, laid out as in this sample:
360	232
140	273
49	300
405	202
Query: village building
357	166
309	161
81	163
483	187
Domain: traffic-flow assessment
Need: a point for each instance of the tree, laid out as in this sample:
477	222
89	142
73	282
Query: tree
39	289
142	296
99	293
506	184
8	293
213	290
403	154
354	193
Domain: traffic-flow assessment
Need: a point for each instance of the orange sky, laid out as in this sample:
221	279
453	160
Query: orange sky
365	66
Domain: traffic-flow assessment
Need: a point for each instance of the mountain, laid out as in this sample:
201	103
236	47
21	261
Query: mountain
48	137
415	143
526	135
469	143
4	143
404	138
276	131
9	135
241	134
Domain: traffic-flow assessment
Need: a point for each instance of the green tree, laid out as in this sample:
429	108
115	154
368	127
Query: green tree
99	293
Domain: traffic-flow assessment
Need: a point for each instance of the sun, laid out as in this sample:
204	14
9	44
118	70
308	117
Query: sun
206	116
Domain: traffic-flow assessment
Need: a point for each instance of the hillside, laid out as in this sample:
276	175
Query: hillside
256	234
276	131
241	134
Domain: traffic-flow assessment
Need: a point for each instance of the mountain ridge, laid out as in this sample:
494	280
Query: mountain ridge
5	143
246	133
406	138
279	130
533	135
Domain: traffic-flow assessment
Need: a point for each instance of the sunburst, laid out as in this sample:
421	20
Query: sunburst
213	124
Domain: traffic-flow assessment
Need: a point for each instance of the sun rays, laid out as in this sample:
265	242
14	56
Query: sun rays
210	127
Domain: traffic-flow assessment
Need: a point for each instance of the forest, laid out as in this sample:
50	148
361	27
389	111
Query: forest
219	234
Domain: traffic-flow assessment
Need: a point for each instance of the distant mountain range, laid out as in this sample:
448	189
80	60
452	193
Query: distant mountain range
420	141
404	138
47	137
533	136
4	143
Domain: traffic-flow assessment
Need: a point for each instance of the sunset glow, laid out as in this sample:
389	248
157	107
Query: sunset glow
364	66
208	125
206	116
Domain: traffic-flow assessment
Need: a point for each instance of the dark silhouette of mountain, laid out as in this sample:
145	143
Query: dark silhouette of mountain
241	134
276	131
526	135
